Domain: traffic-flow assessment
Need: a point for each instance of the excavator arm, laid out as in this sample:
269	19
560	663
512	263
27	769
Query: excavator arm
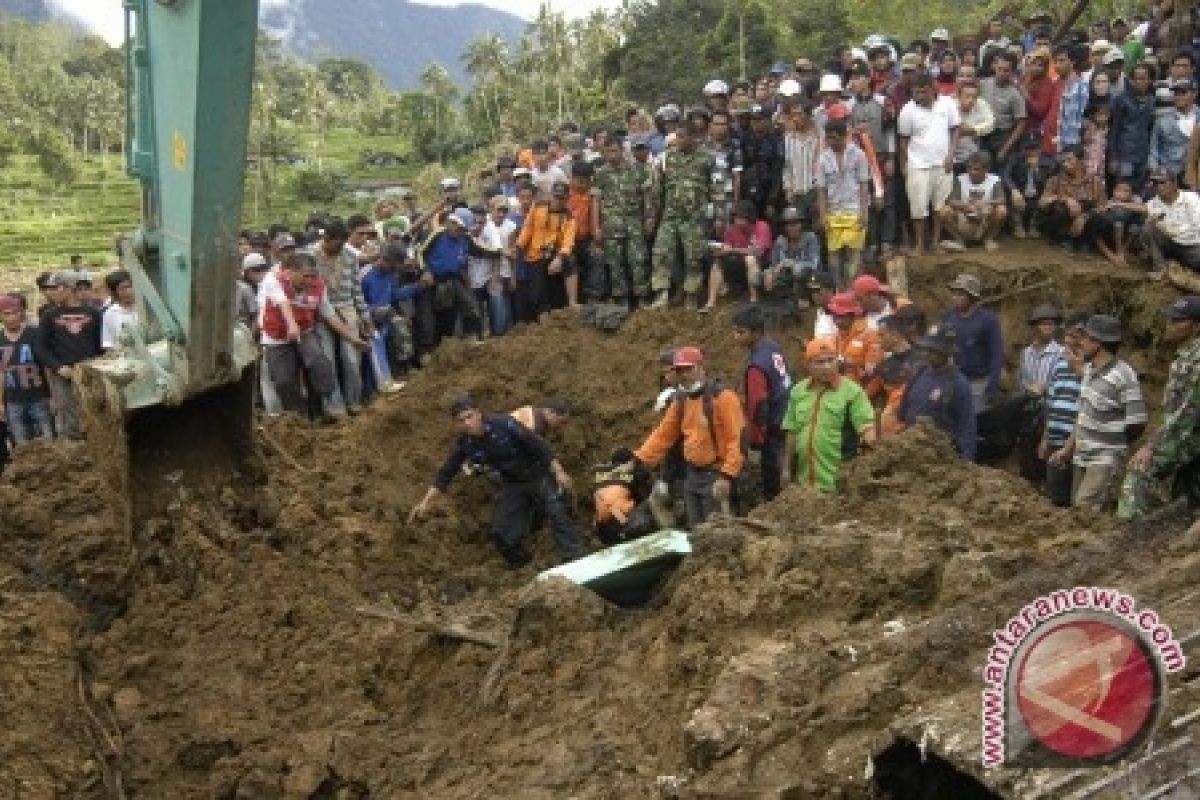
186	371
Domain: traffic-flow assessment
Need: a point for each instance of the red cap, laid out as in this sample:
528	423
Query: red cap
866	284
837	111
688	357
844	304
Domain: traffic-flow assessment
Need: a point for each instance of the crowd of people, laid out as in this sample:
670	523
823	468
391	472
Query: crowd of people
872	369
789	191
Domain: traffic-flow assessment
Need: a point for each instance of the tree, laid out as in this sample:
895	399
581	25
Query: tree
487	60
664	48
349	79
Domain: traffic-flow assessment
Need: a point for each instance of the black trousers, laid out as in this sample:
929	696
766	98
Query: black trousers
1058	484
512	519
771	462
461	306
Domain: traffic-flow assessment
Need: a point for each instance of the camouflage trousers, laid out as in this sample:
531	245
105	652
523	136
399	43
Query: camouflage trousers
631	250
1142	492
674	235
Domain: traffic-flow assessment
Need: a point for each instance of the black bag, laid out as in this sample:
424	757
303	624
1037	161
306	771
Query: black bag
443	295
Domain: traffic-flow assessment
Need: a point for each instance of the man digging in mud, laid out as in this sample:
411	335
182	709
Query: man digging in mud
530	477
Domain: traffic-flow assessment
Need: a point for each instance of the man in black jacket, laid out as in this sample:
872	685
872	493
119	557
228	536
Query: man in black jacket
68	334
530	478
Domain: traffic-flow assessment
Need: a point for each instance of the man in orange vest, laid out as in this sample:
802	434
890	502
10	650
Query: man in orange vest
707	418
858	347
543	420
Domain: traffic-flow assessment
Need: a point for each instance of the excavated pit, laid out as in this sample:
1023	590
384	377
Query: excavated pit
246	656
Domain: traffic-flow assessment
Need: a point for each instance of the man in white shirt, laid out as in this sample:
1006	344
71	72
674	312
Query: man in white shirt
976	210
1172	231
121	311
545	173
928	130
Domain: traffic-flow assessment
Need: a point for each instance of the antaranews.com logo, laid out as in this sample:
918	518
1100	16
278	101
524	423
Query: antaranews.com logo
1077	677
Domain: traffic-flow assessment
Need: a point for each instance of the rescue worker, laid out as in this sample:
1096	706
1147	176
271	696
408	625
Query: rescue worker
707	419
683	214
1174	447
621	488
858	348
940	393
821	409
766	386
545	419
530	477
623	209
887	385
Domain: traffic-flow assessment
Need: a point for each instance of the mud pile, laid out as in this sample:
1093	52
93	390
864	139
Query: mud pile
292	641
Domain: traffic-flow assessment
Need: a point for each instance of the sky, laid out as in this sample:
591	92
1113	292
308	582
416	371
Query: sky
105	16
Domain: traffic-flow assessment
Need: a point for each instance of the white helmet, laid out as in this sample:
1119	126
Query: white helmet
830	83
789	88
449	183
716	86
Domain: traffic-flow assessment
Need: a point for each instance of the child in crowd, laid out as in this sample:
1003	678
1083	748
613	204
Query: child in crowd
1025	179
1095	138
1127	213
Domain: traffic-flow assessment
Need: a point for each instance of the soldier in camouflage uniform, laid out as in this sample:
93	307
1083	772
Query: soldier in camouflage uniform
1175	447
624	192
688	199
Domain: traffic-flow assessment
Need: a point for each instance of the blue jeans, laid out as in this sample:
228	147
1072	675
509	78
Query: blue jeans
29	421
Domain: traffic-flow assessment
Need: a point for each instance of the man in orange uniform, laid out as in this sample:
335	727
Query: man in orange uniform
547	243
708	419
891	377
858	347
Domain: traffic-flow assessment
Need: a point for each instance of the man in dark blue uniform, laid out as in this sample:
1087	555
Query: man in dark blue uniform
941	394
529	476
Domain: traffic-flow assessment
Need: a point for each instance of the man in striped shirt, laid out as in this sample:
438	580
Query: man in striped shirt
1038	361
1111	415
1062	406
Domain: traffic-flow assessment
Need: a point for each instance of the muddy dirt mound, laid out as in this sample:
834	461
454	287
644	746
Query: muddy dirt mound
304	640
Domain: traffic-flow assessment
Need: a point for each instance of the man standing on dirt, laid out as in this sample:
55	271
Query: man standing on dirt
623	207
295	299
531	481
1062	408
1111	415
68	334
767	383
24	394
689	199
1174	448
338	268
821	409
707	418
979	345
939	393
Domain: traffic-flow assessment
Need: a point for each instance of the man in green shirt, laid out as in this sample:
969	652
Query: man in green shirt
819	408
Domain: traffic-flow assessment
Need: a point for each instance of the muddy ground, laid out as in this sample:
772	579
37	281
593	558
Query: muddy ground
226	648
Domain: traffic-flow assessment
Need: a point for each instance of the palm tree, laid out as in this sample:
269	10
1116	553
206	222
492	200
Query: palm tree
488	62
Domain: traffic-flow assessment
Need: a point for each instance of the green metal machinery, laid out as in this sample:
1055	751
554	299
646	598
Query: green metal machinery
190	74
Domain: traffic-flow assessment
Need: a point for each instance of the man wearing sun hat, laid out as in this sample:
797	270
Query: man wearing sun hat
707	418
820	409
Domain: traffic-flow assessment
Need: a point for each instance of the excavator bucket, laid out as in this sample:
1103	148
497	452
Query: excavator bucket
149	456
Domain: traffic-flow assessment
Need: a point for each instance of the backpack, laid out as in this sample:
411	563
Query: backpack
712	388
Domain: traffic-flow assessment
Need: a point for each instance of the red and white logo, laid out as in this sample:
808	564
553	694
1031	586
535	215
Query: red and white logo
1086	689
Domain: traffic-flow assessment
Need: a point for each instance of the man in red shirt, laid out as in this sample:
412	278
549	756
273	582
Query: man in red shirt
766	387
739	256
294	299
